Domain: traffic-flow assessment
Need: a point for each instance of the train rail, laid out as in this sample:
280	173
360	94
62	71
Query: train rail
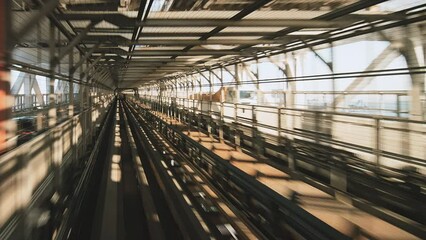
217	219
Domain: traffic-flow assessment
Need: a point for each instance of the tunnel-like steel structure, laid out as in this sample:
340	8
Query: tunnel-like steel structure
318	105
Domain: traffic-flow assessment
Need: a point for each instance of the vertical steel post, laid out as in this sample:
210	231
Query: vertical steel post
259	92
28	85
191	109
237	83
6	100
84	114
333	83
87	96
73	134
200	103
186	102
236	101
209	124
417	92
222	110
176	109
71	85
52	101
279	124
377	148
289	115
237	92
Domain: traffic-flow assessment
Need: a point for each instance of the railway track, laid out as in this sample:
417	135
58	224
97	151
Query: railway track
166	185
218	220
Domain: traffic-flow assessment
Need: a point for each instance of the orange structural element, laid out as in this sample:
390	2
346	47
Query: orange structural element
3	106
4	78
2	70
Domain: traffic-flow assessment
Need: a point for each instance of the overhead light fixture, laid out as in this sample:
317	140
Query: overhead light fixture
218	46
308	32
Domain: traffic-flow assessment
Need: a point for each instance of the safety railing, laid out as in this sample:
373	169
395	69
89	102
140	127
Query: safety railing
32	176
281	211
389	142
20	103
388	151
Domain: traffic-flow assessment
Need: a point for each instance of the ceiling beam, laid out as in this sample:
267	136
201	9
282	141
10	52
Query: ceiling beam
240	15
34	19
76	40
340	12
126	22
150	60
109	31
180	42
176	52
242	23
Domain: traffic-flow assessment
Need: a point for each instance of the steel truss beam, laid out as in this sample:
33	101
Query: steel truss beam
329	64
177	42
154	64
351	33
177	52
380	62
84	59
89	68
45	10
243	23
126	22
147	60
146	35
75	41
141	69
351	8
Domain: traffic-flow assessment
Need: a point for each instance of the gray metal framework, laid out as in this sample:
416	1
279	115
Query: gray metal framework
175	54
173	38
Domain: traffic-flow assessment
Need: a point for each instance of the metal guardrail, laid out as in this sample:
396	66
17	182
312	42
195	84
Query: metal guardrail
406	224
32	169
372	135
300	220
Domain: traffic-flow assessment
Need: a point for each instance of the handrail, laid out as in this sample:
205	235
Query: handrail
13	222
381	117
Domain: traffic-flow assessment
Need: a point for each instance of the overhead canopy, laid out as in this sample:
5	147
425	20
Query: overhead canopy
139	41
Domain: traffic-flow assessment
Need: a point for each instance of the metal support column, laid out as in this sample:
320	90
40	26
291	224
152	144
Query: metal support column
52	101
71	85
83	118
222	99
175	105
6	101
417	92
191	109
200	103
237	92
209	123
289	116
377	148
87	105
28	100
331	66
